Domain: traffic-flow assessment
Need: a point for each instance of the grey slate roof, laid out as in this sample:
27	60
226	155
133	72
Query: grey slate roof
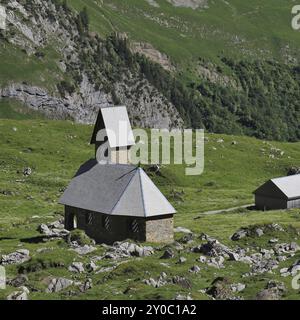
118	128
289	186
115	189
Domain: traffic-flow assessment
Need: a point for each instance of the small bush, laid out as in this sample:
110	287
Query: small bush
80	237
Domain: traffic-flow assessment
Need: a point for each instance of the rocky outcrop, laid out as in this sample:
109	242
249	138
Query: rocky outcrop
32	28
194	4
20	256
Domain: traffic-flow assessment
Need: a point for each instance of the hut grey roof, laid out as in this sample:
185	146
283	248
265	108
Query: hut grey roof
288	186
118	129
115	189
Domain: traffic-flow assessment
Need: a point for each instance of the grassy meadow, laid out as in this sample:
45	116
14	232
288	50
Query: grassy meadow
55	149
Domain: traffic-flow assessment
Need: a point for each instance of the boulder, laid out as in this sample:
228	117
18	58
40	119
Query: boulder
90	267
220	289
76	267
273	291
84	249
54	229
88	284
182	230
58	284
183	297
239	235
195	269
182	260
19	281
168	254
20	256
128	249
27	171
237	287
19	295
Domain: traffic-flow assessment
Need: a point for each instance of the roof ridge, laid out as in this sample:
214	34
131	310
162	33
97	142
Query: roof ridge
123	192
142	191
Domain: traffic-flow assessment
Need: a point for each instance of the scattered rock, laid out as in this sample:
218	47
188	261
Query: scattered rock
284	248
90	267
19	281
156	283
195	269
273	291
183	297
182	260
182	230
106	269
84	249
202	259
237	287
239	235
20	256
182	281
58	284
259	232
187	239
27	172
168	254
128	249
220	289
54	229
88	284
19	295
216	262
76	267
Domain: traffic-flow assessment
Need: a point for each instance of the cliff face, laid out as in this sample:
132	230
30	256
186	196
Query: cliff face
79	71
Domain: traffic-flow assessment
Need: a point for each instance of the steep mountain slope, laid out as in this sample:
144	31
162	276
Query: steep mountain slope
227	66
51	62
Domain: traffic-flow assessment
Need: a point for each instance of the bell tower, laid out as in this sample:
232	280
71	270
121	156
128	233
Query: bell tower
112	135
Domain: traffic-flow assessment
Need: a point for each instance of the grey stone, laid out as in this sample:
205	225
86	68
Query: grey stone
182	260
19	281
259	232
27	171
239	235
88	284
168	254
195	269
202	259
91	266
86	249
76	267
20	256
237	287
183	297
19	295
182	230
58	284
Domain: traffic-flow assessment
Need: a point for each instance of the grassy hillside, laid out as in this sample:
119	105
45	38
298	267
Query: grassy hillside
55	149
234	27
234	65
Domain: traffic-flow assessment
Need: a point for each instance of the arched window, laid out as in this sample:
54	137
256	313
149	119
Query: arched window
75	223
